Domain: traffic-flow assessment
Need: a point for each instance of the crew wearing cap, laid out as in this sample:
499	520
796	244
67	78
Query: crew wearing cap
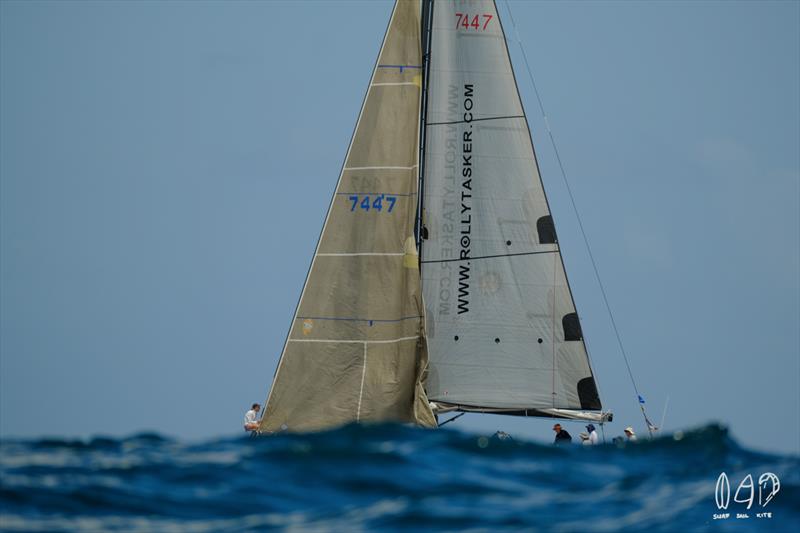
593	438
562	436
630	434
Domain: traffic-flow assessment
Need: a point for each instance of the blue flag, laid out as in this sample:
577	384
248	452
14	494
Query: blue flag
641	400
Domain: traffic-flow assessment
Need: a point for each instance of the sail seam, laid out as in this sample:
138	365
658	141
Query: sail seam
401	67
363	375
473	120
351	254
391	83
412	167
378	193
489	256
356	341
358	319
488	366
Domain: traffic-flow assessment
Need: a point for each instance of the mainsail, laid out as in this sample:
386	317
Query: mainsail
503	333
498	318
355	350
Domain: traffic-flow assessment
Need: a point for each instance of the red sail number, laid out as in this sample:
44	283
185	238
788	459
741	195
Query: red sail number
467	21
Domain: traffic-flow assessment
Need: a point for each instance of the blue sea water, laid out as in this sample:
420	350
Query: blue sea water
388	477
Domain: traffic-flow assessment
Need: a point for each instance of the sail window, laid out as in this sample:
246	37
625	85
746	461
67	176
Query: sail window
546	230
587	394
572	327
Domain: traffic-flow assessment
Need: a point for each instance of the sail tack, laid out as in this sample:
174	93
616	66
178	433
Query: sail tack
502	329
356	350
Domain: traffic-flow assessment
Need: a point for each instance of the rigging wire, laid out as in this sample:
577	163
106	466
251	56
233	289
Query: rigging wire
451	419
664	413
649	424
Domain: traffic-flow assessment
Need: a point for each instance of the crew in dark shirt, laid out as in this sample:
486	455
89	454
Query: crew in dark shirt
562	436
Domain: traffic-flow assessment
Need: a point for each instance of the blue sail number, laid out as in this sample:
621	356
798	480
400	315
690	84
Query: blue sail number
375	202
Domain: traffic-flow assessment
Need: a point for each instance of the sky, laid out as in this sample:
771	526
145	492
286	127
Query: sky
165	169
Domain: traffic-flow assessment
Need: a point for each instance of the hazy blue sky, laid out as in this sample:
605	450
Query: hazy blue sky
165	170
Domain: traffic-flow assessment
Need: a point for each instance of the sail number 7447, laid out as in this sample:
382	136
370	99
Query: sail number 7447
375	202
467	21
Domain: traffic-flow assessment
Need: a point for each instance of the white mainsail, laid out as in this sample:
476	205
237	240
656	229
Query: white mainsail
503	333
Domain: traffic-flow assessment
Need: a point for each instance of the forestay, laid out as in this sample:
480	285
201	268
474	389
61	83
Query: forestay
355	350
502	329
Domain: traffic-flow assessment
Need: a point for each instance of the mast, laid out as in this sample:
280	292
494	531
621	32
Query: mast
426	33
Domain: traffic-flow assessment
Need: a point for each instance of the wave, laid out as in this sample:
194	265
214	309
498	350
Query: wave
390	477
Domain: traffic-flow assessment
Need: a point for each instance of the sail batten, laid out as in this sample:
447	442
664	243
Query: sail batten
476	258
473	120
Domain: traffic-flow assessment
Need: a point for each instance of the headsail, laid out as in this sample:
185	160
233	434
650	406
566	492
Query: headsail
355	350
503	332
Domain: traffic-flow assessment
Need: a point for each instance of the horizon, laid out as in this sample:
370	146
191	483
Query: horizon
677	434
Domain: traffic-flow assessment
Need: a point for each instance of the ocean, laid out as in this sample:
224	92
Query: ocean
395	478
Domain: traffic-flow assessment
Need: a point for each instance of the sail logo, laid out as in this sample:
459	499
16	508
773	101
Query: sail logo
745	495
466	202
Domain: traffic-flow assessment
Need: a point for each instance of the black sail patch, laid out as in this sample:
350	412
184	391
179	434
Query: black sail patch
572	327
546	230
587	394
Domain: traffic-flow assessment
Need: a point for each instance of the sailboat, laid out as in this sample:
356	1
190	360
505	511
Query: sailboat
437	284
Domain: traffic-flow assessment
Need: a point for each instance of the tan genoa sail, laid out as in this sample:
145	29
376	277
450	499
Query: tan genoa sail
355	351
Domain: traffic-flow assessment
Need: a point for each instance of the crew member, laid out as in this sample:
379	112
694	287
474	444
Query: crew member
593	438
250	422
562	436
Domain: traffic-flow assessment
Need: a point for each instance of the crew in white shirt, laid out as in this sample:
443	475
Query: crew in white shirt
250	418
593	438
